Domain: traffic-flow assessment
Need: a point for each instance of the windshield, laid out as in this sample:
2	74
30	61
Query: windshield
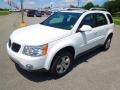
62	20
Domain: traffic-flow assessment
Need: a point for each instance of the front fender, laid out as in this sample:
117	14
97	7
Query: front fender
57	46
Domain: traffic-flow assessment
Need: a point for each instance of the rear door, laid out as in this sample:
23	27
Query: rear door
101	28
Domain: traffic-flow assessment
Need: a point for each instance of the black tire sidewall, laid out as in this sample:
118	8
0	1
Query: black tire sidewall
56	60
104	46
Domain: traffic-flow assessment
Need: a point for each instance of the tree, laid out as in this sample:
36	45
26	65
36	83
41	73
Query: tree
112	6
89	5
97	6
109	6
1	9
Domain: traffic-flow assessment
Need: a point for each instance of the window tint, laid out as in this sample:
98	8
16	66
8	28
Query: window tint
88	20
110	18
58	19
100	19
62	20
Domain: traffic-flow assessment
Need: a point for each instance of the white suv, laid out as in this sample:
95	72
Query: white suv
54	44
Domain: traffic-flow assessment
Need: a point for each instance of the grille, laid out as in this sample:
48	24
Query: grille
9	43
15	47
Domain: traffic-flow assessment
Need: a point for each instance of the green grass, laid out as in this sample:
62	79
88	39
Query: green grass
3	13
116	20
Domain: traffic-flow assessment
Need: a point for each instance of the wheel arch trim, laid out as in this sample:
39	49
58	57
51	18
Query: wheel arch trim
54	52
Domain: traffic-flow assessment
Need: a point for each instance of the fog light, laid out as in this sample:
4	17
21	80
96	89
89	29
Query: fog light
29	67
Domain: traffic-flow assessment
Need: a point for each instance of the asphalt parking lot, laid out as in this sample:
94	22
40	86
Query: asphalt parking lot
94	71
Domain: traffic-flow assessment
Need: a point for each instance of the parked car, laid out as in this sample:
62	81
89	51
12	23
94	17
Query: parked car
54	44
54	11
48	12
38	14
43	12
31	13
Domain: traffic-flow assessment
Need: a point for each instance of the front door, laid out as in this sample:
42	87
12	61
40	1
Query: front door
88	37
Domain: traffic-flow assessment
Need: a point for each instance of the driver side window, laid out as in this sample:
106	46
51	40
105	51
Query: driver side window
88	20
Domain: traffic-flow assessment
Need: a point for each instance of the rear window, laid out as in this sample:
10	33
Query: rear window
100	19
110	18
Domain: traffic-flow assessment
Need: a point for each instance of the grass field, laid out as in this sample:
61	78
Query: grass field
3	13
116	20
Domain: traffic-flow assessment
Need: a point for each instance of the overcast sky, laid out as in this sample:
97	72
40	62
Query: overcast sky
44	3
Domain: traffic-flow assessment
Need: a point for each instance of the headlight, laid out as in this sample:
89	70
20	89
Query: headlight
35	51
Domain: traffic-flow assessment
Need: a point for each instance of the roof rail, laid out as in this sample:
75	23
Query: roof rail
75	9
99	9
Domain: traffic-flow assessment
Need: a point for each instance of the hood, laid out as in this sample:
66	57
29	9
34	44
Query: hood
38	35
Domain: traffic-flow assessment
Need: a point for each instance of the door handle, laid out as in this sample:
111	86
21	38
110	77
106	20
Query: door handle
95	33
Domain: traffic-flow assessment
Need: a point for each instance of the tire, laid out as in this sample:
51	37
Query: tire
107	44
62	64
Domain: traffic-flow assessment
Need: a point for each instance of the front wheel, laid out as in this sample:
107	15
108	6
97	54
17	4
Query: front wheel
61	64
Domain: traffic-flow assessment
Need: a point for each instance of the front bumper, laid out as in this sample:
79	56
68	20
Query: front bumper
27	62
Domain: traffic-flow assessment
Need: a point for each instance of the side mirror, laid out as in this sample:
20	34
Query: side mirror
85	28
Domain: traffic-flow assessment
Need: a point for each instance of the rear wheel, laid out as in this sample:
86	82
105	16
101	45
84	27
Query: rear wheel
62	63
107	43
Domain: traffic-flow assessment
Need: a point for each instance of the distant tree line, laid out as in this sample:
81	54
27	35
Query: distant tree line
112	6
1	9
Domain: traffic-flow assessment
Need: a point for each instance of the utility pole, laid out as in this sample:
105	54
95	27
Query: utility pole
22	24
78	2
22	12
